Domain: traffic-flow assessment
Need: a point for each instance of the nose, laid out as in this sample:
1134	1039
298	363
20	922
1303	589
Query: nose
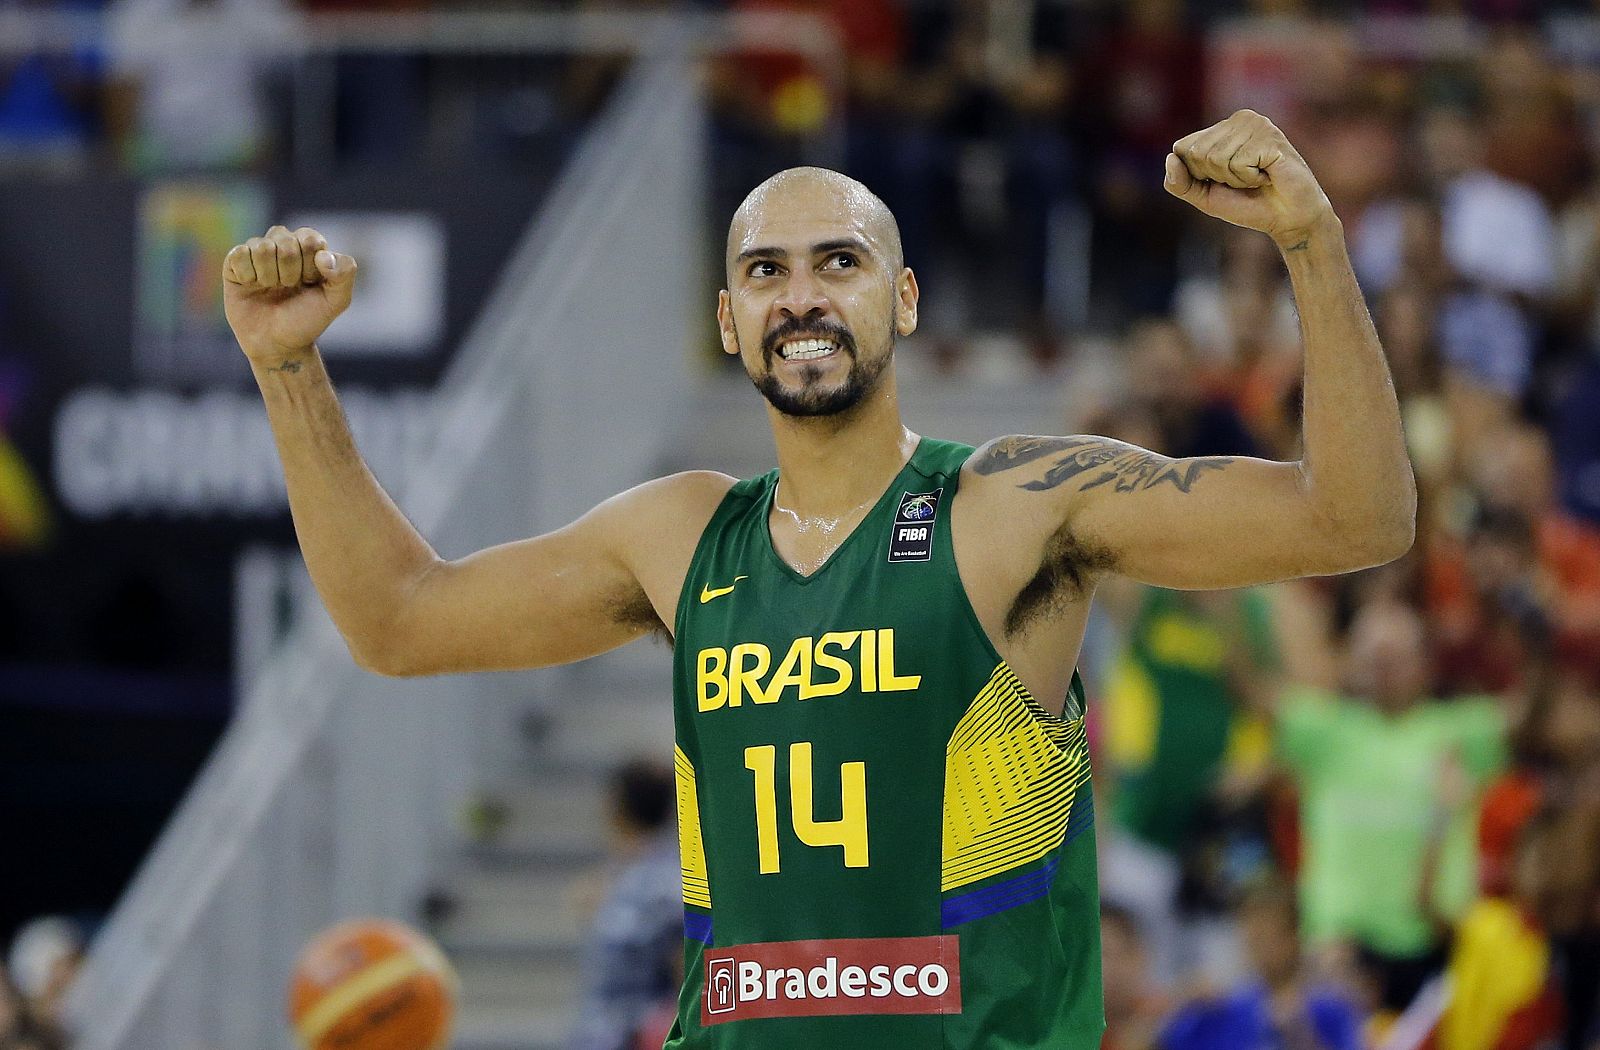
802	294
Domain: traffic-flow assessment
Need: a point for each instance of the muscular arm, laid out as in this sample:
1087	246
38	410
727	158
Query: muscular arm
403	610
1349	503
594	585
1233	521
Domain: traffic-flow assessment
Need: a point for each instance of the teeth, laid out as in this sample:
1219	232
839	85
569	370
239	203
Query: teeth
802	349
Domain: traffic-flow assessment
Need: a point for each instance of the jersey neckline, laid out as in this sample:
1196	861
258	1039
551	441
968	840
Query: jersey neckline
770	497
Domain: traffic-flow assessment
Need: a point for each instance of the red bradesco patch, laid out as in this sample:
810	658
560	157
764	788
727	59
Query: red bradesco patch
867	975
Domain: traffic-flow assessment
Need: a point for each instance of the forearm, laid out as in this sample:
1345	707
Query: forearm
363	555
1354	464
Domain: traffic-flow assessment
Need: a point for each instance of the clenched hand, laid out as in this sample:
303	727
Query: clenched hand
1244	171
281	291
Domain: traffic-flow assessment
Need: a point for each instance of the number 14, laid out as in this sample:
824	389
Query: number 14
849	831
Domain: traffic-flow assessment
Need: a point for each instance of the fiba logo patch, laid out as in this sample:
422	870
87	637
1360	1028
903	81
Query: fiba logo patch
719	986
911	535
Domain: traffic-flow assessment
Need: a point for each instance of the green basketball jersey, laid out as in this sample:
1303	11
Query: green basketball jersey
885	838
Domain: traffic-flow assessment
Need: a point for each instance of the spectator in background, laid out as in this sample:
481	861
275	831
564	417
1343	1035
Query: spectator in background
972	153
1236	307
638	923
1500	242
46	955
1524	555
1278	1007
1532	133
1367	766
1135	1004
22	1024
1166	384
1481	646
1240	317
1144	89
1537	925
190	78
1504	994
1173	726
1497	232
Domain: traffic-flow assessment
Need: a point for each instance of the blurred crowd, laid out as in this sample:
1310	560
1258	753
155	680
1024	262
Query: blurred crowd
1365	811
1019	141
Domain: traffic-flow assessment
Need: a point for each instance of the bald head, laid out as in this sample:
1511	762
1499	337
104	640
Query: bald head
802	194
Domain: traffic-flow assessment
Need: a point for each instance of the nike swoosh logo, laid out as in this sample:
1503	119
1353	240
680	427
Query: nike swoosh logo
707	592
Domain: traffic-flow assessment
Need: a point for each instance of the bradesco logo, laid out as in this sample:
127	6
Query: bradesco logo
871	975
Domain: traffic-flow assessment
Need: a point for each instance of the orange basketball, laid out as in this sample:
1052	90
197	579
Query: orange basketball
372	984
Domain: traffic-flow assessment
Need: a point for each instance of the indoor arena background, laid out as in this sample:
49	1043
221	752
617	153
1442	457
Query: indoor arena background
194	778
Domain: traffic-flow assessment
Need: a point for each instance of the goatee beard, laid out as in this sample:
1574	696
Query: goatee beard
807	402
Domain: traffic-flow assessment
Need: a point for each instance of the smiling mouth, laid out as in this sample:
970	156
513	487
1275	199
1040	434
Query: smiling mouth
807	349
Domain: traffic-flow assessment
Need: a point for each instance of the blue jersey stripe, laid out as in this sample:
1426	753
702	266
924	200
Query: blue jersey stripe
696	927
991	900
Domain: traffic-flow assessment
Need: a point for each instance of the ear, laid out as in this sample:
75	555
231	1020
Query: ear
730	338
905	302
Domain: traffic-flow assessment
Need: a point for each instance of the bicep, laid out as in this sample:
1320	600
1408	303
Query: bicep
563	596
550	599
1205	523
1198	523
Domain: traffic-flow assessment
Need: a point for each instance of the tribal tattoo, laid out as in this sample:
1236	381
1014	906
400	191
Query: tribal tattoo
1124	467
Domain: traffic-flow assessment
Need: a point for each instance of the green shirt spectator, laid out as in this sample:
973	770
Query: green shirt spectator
1172	712
1368	772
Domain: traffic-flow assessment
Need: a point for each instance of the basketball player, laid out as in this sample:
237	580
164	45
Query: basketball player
883	796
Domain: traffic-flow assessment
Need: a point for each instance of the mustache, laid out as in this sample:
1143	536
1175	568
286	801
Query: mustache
800	328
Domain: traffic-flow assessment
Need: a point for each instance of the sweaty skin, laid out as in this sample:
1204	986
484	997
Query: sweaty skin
815	268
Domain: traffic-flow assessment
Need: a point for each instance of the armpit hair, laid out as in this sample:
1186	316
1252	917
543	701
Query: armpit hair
635	610
1065	576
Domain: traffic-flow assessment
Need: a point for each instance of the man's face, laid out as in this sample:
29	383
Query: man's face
814	301
1388	657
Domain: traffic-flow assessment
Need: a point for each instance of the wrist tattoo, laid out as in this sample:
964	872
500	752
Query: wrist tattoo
291	367
1126	468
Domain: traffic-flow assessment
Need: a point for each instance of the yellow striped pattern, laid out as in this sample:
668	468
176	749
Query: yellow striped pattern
1012	771
691	845
370	982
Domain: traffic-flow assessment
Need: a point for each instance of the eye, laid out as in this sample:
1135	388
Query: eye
841	261
764	268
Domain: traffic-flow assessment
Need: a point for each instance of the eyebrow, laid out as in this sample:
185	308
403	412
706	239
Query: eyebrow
854	244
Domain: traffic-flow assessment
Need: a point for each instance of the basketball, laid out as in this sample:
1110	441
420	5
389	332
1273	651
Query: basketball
372	984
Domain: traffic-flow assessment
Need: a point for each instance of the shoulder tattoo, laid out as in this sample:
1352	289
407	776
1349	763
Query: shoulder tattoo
1097	461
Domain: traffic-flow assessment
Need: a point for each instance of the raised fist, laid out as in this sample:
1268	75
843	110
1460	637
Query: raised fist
1244	171
281	291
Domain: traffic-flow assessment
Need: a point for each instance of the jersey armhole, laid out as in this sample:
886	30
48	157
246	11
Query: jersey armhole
747	489
1075	704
